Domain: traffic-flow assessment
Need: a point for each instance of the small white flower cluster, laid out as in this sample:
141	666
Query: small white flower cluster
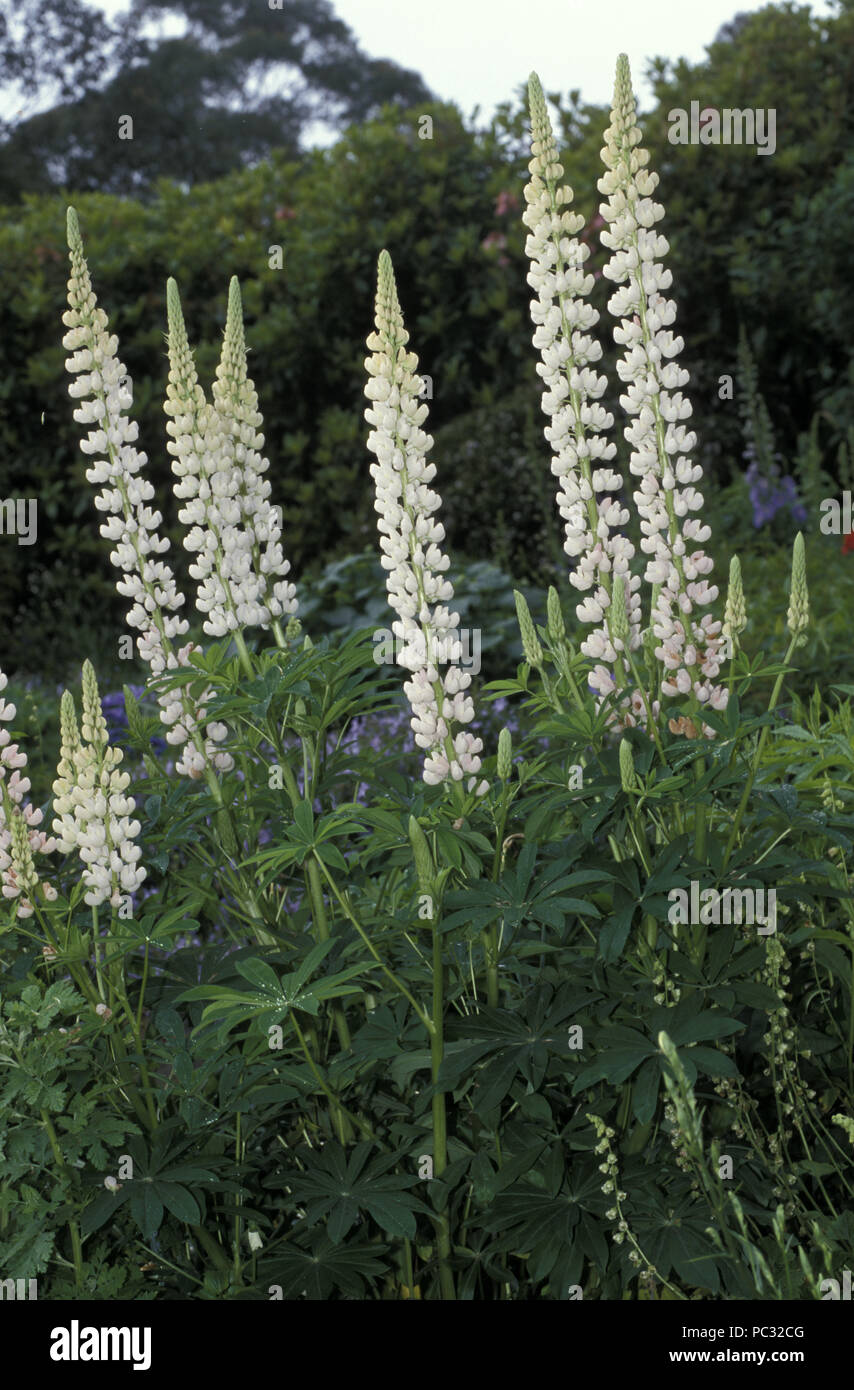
690	648
91	806
20	837
410	540
104	386
234	531
586	500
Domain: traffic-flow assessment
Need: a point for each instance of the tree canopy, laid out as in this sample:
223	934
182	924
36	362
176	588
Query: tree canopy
242	79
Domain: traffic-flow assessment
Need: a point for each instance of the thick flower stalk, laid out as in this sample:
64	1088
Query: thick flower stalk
233	529
690	645
104	388
91	808
20	836
425	630
588	493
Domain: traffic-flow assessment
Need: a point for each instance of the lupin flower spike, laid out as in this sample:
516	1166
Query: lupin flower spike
425	629
219	471
735	613
106	388
19	821
93	812
554	616
689	647
505	755
628	778
587	498
530	641
799	604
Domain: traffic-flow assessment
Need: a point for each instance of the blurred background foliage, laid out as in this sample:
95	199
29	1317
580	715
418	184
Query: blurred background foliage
759	247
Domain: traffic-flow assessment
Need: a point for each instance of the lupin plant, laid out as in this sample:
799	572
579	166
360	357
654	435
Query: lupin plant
20	836
104	386
425	628
688	647
93	811
232	526
431	1030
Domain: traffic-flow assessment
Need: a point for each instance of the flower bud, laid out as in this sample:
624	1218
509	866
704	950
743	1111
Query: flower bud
424	866
627	767
618	616
556	626
505	755
735	613
530	642
799	607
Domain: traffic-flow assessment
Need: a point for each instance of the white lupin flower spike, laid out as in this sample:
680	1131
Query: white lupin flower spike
426	629
93	812
233	528
105	387
20	837
587	495
691	648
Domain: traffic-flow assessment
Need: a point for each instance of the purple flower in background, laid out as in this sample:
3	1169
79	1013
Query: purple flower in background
115	714
769	494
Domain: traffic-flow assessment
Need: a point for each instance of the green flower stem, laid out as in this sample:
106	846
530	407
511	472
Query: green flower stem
398	984
700	816
321	922
344	1116
126	1083
757	757
490	935
212	1248
321	931
243	653
229	839
440	1130
73	1228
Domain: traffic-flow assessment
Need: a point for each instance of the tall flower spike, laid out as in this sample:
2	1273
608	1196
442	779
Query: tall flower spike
92	808
64	824
19	820
425	629
203	481
105	387
689	646
587	496
255	561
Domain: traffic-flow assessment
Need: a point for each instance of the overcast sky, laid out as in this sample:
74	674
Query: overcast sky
477	52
